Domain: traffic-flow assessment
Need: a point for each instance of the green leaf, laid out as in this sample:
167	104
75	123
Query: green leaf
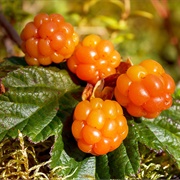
146	136
125	161
10	64
102	167
86	169
65	154
164	131
161	134
169	141
14	60
40	102
32	101
71	164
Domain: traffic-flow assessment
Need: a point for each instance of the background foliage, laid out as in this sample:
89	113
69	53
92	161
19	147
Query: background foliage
139	31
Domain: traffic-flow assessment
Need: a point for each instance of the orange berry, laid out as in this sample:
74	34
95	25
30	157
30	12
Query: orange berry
48	38
152	67
86	72
57	40
32	47
116	141
29	31
122	100
145	89
87	148
77	127
114	59
82	110
136	73
136	111
123	82
94	52
40	19
169	83
91	135
138	94
47	29
104	48
153	84
110	128
96	118
103	146
32	61
57	58
44	47
91	41
99	126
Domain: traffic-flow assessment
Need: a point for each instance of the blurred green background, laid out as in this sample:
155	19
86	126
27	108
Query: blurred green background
139	29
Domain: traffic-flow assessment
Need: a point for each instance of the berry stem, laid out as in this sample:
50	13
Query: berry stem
10	30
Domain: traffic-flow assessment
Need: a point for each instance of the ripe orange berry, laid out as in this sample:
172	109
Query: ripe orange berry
145	89
96	119
136	73
123	100
29	31
47	39
152	67
99	126
94	59
169	83
123	83
91	40
77	127
153	84
138	94
103	146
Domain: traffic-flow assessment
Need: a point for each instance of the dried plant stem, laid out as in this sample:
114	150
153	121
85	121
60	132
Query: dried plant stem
10	30
127	9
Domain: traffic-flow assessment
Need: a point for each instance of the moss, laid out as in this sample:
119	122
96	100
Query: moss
21	159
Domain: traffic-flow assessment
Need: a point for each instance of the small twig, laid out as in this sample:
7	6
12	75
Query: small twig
127	9
10	30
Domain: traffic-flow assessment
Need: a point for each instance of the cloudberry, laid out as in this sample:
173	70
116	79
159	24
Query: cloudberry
47	39
99	126
145	89
94	58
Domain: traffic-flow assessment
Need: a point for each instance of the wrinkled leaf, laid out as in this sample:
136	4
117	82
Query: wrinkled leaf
65	152
169	141
32	101
125	160
102	167
40	102
70	159
166	130
14	60
10	64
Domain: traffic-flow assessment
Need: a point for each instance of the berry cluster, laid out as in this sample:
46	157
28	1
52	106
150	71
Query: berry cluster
94	59
145	89
99	126
47	39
